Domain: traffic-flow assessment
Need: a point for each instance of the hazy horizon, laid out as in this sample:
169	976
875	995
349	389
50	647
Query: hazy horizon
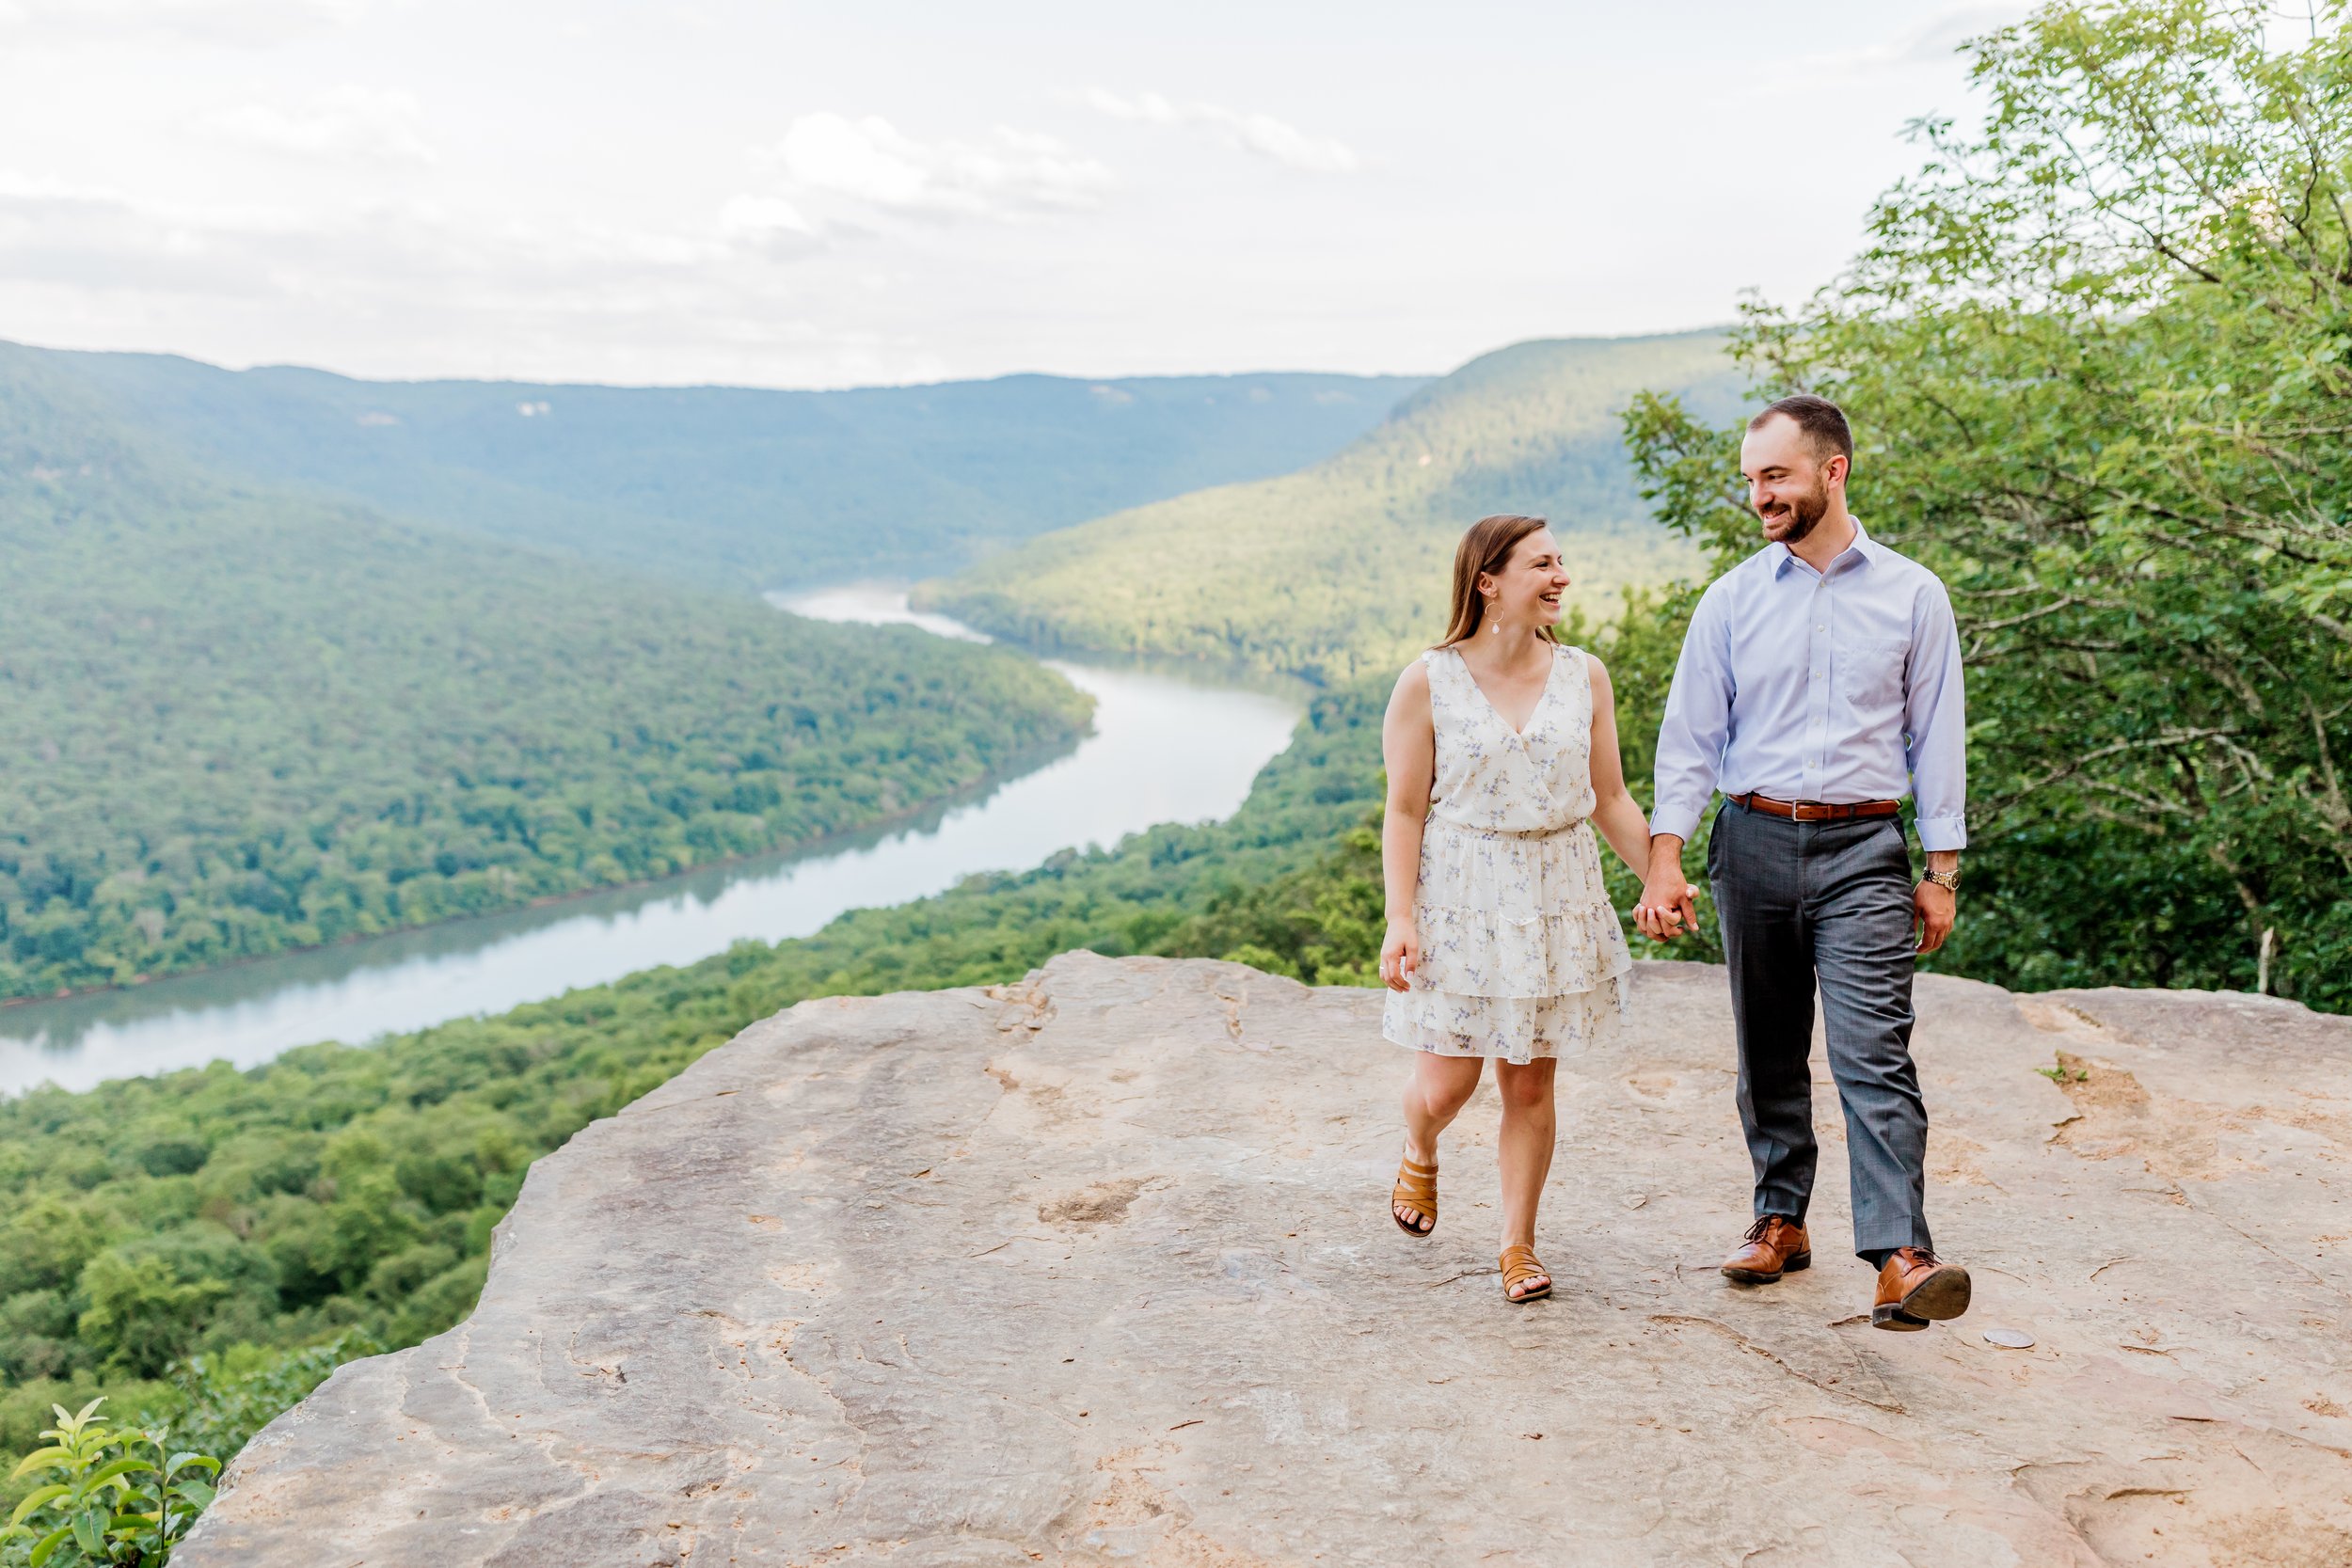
1432	374
800	199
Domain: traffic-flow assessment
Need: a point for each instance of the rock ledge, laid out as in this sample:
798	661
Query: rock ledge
1098	1269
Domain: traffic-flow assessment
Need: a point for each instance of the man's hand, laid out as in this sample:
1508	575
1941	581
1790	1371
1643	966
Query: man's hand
1668	908
1934	909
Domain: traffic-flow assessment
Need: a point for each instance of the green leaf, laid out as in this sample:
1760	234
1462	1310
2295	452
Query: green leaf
120	1467
89	1530
38	1458
47	1545
38	1497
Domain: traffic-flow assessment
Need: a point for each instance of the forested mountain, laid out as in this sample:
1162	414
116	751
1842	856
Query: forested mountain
234	721
351	1191
737	487
1340	569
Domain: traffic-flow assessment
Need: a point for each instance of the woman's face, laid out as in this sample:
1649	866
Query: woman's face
1527	591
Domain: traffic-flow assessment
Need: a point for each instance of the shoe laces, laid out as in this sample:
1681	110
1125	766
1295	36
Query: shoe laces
1756	1231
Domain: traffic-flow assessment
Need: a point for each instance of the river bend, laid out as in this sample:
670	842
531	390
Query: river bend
1165	749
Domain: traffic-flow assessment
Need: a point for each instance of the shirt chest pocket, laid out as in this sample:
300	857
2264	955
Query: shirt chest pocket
1870	670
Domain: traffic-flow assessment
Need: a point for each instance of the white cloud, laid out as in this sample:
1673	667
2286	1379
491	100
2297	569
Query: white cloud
1261	134
349	121
93	238
97	239
769	225
1005	175
1935	41
1940	36
590	214
236	22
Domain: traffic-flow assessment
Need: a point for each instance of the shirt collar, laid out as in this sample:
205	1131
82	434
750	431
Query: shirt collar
1863	550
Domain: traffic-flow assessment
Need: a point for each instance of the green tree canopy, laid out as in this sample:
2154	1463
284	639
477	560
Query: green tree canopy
2098	356
235	721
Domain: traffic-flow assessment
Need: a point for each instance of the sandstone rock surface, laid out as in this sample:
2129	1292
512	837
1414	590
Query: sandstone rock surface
1097	1269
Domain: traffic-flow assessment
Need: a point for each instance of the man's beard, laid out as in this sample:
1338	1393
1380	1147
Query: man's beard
1803	512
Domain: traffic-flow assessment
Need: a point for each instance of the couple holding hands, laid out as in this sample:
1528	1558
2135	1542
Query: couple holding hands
1819	684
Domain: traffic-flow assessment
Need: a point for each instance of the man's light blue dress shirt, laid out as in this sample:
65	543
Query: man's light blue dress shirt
1840	685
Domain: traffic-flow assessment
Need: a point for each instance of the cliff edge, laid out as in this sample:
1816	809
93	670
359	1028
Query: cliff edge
1098	1269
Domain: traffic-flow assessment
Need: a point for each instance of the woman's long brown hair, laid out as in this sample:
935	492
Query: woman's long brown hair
1485	547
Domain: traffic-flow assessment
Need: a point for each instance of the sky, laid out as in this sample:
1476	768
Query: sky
792	195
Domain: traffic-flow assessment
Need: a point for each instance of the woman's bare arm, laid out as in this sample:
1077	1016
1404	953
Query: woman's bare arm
1614	811
1409	746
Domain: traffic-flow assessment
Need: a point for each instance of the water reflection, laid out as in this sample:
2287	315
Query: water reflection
1166	748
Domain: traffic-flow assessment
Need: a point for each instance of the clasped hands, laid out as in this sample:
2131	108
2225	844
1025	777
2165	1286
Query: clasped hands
1668	909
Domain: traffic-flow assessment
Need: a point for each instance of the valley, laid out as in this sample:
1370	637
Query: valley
236	720
738	488
1160	748
1339	570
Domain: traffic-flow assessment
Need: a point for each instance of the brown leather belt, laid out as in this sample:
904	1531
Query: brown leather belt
1817	810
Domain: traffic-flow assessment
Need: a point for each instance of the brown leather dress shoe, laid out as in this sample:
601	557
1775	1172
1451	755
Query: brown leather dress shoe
1773	1246
1917	1288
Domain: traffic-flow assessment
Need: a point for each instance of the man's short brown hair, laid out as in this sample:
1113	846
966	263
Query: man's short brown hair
1821	422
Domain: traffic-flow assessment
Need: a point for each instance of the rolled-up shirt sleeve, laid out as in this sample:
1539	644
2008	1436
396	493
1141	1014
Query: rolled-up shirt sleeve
1935	726
1697	723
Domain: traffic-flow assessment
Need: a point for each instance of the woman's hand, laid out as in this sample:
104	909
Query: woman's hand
1400	955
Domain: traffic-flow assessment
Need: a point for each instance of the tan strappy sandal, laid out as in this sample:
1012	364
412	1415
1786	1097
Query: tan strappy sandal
1518	1264
1417	1190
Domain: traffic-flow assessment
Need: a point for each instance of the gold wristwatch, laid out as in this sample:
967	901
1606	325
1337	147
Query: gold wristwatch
1946	879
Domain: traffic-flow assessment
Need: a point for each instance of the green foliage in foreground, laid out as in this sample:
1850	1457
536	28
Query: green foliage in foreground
234	722
1339	572
102	1495
209	1404
2098	359
350	1192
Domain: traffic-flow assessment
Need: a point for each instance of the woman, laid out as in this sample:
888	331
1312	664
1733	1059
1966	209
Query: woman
1502	749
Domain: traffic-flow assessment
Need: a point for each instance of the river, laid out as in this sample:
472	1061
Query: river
1165	749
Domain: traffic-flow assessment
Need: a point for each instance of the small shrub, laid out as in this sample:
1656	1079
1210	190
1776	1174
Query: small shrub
105	1496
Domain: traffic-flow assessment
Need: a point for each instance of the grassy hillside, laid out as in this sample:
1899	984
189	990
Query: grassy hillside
739	487
1340	570
233	721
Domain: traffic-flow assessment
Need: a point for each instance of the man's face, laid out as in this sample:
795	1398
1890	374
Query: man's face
1789	485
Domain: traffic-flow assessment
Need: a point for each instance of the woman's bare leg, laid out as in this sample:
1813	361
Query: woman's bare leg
1530	1124
1434	1096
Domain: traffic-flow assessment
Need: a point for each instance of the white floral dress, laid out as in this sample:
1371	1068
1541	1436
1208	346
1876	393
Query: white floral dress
1521	956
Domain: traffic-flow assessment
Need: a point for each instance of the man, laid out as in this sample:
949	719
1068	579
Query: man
1819	683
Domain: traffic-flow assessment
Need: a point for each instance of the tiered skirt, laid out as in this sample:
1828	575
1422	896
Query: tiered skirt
1521	956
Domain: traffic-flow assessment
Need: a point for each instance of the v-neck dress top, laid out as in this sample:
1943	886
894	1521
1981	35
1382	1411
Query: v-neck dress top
1521	956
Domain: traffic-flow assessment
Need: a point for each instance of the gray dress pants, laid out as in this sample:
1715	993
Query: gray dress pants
1832	902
